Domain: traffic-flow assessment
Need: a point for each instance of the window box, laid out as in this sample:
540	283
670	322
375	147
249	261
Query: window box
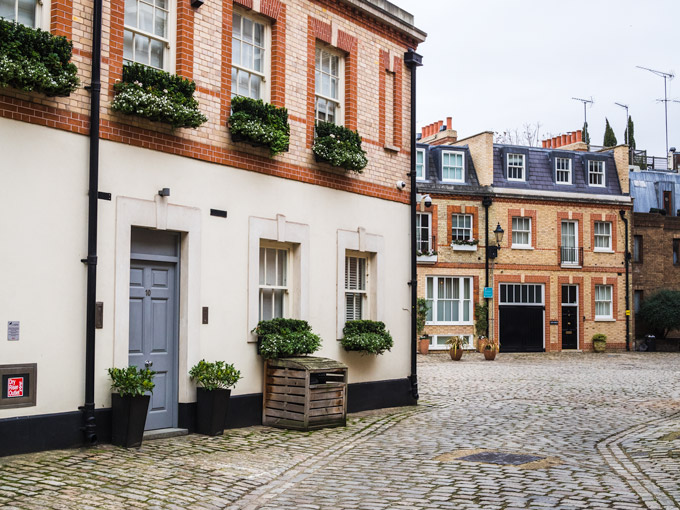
35	60
157	96
339	146
427	258
366	337
463	247
259	124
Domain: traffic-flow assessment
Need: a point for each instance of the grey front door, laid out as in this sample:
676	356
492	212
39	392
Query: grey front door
153	332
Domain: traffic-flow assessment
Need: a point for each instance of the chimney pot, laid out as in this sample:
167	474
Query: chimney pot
564	140
440	123
449	122
570	138
579	136
545	144
554	142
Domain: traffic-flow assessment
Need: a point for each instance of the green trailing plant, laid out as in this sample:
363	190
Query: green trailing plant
339	147
465	242
283	338
217	375
661	312
35	60
367	337
481	319
157	96
131	381
260	123
421	315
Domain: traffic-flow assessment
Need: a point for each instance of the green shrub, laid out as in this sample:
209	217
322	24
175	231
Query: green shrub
283	338
157	96
368	337
339	146
131	381
260	123
481	319
599	337
421	315
218	375
661	312
35	60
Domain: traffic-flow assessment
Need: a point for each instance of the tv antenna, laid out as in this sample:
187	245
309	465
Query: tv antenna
627	120
666	77
585	102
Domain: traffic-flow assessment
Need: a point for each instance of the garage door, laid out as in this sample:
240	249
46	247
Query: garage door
521	318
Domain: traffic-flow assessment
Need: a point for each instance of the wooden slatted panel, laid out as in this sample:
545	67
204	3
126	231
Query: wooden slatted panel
317	404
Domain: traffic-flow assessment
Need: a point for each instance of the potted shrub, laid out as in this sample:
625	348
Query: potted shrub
455	344
259	123
339	146
367	337
421	319
129	404
212	395
285	338
35	60
157	96
489	348
599	342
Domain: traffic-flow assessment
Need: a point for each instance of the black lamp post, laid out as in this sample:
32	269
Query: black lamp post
493	250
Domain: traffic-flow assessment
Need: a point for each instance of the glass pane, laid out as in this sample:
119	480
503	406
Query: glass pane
247	30
161	23
270	267
247	56
430	283
156	54
234	81
257	59
455	289
279	296
236	52
539	294
130	13
429	311
258	36
255	87
145	17
455	310
466	288
525	294
7	9
236	30
325	85
441	317
334	66
27	12
266	300
317	82
141	49
466	311
127	46
532	293
283	268
262	265
325	62
318	59
330	116
334	88
163	4
243	79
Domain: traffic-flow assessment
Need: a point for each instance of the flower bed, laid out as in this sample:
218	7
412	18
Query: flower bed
339	147
259	123
157	96
34	60
367	337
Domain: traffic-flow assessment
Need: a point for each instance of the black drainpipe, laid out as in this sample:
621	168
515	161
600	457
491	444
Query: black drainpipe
90	425
622	213
413	61
486	202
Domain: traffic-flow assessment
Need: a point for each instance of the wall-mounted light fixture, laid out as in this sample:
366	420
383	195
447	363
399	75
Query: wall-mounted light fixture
196	3
165	192
493	250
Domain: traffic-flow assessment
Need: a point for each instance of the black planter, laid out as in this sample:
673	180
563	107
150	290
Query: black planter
128	420
211	411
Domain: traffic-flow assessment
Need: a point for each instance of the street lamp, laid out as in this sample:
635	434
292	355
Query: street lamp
493	250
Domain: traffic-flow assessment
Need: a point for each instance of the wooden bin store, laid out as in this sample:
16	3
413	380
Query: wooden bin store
305	393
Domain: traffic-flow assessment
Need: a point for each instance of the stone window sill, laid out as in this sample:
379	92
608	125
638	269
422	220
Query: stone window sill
604	319
520	247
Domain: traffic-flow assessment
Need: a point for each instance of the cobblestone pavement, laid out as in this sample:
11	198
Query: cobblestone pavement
608	427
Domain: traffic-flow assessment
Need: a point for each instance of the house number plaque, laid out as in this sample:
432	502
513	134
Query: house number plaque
13	331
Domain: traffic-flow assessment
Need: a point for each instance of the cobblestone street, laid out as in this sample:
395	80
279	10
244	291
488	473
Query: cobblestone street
606	429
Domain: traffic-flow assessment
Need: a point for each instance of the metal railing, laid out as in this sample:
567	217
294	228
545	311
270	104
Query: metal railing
571	256
645	162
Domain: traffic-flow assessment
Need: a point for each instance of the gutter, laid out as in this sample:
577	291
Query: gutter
413	61
486	202
622	213
89	423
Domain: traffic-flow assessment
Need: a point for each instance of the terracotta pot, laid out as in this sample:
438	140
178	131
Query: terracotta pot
599	345
490	354
456	353
424	345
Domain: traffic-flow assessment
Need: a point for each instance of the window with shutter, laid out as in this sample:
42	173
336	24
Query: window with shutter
355	287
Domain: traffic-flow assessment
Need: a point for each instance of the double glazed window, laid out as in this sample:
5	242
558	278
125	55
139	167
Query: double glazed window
570	253
521	232
453	167
449	300
603	236
563	170
21	11
420	164
249	53
603	302
273	283
423	240
146	32
515	167
595	173
327	86
461	227
355	287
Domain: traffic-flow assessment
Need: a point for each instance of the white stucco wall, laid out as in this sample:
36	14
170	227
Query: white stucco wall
43	217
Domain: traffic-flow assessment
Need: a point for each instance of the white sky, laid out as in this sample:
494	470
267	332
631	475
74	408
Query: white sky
498	64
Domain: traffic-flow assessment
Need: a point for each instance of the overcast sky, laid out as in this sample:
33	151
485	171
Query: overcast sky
498	64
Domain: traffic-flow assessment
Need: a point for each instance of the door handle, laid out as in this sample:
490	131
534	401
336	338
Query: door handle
148	364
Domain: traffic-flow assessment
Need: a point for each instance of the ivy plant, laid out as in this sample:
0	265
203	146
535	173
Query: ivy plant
367	337
259	123
218	375
35	60
157	96
283	338
339	146
132	381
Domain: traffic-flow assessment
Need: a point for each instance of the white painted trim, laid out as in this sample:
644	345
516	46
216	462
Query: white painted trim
524	167
463	247
282	231
374	245
159	214
564	194
462	155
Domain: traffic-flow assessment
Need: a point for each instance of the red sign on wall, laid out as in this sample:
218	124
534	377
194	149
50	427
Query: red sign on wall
15	387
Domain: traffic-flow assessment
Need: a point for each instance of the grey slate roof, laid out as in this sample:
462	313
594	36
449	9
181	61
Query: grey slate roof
647	187
433	170
540	165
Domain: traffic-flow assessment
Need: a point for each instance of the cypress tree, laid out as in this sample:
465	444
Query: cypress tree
609	136
630	133
586	135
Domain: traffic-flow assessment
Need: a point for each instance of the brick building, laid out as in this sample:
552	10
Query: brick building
559	274
199	214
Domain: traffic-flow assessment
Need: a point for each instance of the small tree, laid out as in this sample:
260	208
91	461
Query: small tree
661	312
609	136
481	319
629	135
421	315
586	135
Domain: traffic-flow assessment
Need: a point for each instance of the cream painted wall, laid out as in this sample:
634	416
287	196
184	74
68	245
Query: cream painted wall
48	280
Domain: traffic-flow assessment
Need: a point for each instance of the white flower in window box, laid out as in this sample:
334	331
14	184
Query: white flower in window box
464	244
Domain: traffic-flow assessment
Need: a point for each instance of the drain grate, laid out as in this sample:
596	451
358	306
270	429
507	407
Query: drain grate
504	459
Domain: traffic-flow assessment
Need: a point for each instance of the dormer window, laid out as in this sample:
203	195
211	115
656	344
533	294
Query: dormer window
516	167
453	167
420	164
563	170
596	173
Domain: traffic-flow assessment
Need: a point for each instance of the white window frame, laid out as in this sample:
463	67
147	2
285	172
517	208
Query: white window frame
359	290
610	302
421	171
512	165
462	301
436	346
567	171
599	171
265	74
340	100
527	232
419	232
575	247
169	46
284	270
471	228
453	167
607	236
41	14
